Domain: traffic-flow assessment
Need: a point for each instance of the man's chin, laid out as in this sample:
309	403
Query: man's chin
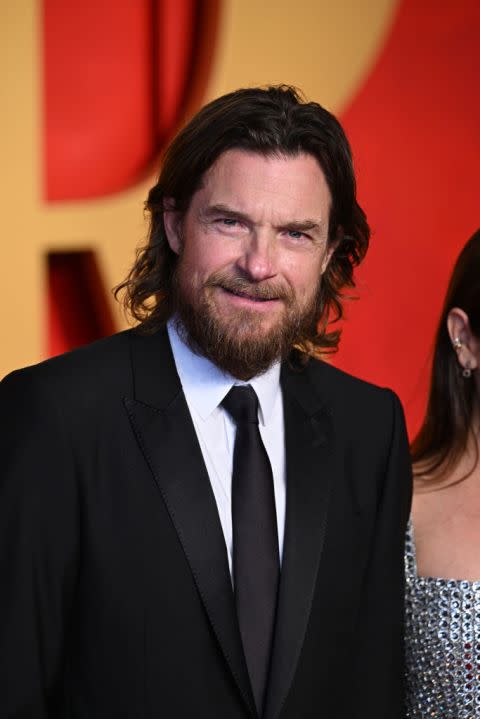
249	324
243	347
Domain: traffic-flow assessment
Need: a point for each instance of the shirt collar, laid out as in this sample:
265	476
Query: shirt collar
206	385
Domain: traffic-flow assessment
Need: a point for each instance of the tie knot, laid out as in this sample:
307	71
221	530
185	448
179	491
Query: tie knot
241	404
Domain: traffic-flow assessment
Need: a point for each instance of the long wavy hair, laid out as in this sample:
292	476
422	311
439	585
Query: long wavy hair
448	423
272	121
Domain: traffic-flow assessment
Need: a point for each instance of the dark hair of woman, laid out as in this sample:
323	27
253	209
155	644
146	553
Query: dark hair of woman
449	419
274	121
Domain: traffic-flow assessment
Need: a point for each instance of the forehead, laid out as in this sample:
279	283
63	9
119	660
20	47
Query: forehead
252	183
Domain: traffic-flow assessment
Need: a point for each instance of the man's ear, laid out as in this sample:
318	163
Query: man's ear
172	224
330	249
328	256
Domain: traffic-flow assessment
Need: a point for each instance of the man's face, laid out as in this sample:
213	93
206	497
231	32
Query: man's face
252	247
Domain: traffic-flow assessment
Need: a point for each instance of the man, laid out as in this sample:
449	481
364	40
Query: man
199	518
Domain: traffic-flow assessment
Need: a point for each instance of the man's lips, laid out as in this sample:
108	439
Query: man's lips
249	296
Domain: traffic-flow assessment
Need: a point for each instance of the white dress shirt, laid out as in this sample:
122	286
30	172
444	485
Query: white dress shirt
205	386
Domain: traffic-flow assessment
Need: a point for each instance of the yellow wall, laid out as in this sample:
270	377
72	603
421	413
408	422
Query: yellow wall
324	47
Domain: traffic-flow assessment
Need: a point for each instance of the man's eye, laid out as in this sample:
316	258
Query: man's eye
296	234
229	222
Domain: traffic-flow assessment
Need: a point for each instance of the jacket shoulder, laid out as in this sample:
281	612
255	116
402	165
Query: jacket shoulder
338	382
364	407
103	363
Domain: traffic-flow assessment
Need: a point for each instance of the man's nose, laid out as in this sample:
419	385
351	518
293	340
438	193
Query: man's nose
259	257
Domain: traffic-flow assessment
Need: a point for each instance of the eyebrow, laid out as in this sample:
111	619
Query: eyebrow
213	210
294	225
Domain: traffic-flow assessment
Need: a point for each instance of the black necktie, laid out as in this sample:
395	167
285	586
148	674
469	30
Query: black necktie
256	564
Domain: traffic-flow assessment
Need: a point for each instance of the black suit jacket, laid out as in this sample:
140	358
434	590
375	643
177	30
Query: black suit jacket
115	593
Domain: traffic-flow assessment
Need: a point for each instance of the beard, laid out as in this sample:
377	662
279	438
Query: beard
241	342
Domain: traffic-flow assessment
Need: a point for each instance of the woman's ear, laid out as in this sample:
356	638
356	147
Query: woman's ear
464	342
458	325
172	224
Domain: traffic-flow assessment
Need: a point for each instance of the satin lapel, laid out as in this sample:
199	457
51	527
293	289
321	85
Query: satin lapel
308	453
169	443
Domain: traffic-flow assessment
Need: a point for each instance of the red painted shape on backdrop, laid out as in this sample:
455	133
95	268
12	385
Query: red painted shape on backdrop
115	77
414	129
175	40
78	309
97	96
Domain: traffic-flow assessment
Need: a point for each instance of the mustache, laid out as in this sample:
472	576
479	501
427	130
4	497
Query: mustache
264	289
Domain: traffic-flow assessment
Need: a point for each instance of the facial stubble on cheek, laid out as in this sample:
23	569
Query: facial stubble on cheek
241	342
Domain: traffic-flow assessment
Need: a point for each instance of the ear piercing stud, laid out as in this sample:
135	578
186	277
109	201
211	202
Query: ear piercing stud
457	345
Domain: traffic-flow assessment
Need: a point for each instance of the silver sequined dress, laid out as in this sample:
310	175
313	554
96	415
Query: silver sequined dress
442	644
